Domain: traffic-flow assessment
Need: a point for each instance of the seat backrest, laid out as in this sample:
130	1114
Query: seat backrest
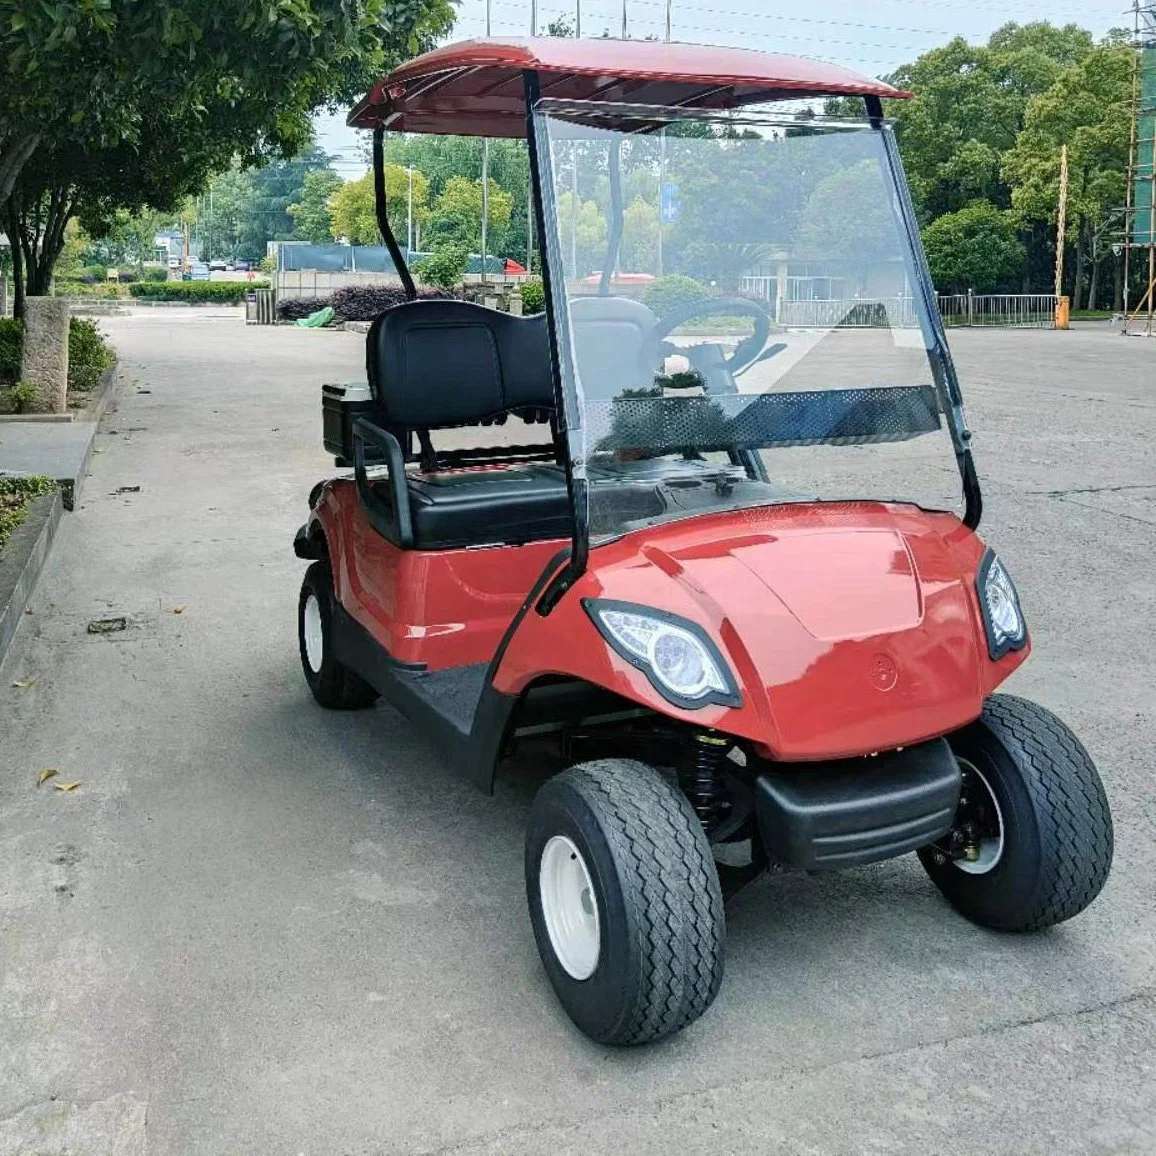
610	334
433	364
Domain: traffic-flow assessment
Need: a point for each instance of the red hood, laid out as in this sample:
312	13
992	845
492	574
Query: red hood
850	628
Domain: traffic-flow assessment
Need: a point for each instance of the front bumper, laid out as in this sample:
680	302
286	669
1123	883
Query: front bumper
825	816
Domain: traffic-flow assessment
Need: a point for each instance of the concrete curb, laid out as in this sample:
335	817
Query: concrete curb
22	561
104	394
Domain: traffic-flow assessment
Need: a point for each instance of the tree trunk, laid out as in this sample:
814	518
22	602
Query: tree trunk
12	228
1118	295
40	228
15	151
1095	284
1078	280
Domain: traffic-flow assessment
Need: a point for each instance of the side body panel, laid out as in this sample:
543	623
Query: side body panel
850	628
438	609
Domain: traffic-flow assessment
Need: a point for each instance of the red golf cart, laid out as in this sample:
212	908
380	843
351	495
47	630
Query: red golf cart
715	542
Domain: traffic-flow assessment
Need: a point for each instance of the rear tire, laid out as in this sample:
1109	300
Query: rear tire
1050	844
334	686
639	953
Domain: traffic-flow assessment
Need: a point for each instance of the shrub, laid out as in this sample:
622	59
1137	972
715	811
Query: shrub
11	344
89	355
445	267
156	275
295	308
15	495
18	398
267	265
533	297
673	292
196	292
365	302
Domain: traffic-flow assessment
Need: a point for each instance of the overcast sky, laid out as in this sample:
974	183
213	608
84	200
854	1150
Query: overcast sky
874	38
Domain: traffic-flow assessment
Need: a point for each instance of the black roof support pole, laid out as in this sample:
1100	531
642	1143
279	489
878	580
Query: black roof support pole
380	204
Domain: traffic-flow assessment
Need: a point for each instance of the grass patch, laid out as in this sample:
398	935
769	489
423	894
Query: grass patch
15	496
1092	315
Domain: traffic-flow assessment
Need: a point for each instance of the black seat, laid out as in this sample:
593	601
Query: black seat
437	364
509	504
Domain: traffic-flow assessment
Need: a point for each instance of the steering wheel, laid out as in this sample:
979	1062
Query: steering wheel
656	348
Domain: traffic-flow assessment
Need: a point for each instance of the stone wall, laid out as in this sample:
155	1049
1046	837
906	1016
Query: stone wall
46	353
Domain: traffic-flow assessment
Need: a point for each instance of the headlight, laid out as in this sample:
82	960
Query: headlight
682	663
1002	617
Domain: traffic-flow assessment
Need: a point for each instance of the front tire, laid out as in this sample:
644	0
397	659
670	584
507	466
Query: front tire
624	900
334	686
1041	831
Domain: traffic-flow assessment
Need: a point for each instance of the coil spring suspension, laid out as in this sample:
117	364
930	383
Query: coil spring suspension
707	794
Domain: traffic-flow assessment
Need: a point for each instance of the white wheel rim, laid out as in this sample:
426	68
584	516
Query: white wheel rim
569	907
991	849
311	629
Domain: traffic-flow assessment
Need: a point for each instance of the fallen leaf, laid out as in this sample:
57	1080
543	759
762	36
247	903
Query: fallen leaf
107	625
46	775
67	786
24	683
98	451
127	490
178	610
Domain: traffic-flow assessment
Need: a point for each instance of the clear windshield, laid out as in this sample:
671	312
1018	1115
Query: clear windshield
739	309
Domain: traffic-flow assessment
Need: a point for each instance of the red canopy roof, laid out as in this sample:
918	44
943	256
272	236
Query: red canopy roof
474	88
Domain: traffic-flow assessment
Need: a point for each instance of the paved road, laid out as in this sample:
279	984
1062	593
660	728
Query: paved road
258	928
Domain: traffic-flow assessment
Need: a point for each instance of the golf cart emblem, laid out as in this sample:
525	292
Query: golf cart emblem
884	673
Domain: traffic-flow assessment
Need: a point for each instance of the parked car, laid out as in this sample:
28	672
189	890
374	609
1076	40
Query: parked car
217	266
242	266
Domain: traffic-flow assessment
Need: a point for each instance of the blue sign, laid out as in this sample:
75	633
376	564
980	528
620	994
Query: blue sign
671	206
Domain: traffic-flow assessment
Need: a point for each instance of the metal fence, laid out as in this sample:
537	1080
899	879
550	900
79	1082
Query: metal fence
851	313
1008	310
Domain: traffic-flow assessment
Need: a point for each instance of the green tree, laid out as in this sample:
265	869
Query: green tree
456	217
311	213
218	79
1086	109
973	248
353	211
352	216
970	105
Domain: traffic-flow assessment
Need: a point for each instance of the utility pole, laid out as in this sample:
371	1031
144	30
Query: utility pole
1061	229
577	19
486	176
662	155
623	19
409	212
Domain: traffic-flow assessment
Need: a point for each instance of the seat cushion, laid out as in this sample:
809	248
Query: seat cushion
482	507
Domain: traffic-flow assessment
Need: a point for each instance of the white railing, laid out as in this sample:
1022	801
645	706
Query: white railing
1007	310
850	313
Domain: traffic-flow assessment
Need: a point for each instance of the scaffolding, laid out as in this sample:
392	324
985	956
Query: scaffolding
1140	208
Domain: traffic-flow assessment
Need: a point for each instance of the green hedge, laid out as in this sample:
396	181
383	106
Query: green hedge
197	292
89	355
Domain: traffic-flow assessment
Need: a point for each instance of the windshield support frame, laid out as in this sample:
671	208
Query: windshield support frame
942	362
567	408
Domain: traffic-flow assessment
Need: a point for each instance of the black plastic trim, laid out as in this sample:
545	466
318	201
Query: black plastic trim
731	697
473	754
381	207
393	523
994	648
308	545
844	813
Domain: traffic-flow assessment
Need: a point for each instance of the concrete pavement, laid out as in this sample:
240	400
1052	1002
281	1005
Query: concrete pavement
260	928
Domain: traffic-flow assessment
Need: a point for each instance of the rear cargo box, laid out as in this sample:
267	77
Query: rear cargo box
340	406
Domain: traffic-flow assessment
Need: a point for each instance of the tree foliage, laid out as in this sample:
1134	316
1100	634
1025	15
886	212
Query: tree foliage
111	104
974	248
